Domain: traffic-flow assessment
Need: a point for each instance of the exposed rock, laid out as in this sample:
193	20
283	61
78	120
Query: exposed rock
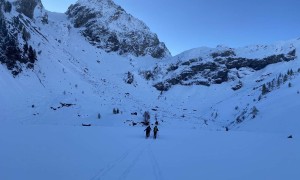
172	67
216	70
83	15
162	86
225	53
189	62
108	26
258	64
213	74
27	7
238	86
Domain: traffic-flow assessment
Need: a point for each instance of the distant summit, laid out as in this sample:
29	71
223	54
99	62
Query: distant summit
108	26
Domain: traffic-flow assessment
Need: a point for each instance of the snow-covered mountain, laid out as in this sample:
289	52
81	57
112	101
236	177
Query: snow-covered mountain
66	70
98	66
206	66
108	26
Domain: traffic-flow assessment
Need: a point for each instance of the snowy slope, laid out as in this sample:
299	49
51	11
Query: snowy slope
75	83
70	70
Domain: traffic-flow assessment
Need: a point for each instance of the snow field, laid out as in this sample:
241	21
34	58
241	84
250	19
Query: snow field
74	152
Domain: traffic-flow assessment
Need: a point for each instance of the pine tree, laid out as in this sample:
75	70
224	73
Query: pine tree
45	19
25	48
273	84
7	7
259	97
12	53
25	35
146	118
254	111
264	89
285	78
269	85
31	55
278	81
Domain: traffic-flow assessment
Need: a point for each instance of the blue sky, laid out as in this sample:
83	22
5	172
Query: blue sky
184	25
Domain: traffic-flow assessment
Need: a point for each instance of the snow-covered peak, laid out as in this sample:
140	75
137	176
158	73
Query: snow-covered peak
95	3
109	27
109	13
257	51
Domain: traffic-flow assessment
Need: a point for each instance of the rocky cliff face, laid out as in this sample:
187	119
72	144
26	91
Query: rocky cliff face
27	7
213	67
108	26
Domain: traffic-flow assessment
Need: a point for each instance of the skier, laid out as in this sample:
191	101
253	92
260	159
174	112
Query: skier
155	131
148	130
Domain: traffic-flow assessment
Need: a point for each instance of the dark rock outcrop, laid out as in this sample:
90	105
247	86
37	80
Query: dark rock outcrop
225	53
258	64
216	70
27	7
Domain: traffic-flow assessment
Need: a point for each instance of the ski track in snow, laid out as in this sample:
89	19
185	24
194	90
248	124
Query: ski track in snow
126	163
155	166
132	164
125	157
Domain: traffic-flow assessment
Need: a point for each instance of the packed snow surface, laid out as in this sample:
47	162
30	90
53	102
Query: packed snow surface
91	153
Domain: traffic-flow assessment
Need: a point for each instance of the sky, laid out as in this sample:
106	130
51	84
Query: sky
188	24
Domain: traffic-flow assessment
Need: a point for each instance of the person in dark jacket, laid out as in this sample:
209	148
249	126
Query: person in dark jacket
148	130
155	130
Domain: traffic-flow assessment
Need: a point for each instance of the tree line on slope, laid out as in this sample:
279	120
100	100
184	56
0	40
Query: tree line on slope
10	52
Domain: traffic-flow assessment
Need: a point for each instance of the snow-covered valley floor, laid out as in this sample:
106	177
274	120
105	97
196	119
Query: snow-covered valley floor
74	83
108	153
